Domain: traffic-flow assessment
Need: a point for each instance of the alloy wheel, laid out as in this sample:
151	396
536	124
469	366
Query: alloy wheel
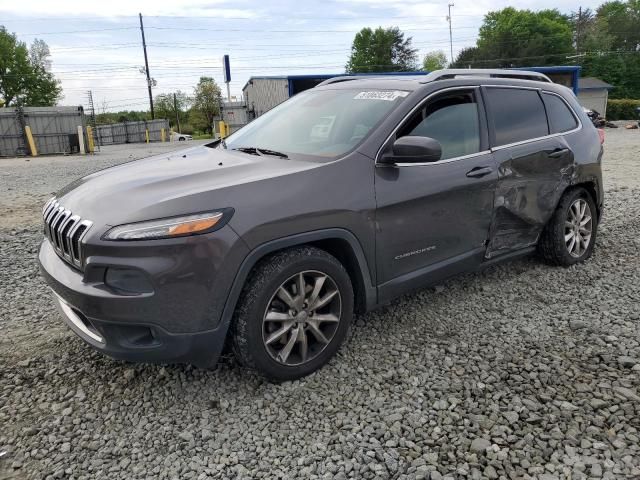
301	318
578	228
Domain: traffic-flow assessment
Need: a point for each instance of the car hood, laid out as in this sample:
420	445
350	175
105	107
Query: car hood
187	181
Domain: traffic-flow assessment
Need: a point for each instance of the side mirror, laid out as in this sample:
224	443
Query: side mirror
414	149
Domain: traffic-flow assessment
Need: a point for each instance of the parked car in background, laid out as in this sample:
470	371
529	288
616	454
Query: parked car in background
180	137
336	201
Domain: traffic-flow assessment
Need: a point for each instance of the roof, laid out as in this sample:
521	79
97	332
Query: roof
593	83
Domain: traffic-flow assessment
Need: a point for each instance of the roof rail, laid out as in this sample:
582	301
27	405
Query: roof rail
450	73
343	78
485	72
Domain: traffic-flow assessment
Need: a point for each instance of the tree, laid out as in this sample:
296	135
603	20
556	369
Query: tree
206	103
122	116
39	54
590	32
467	57
436	60
24	73
623	23
608	45
165	108
381	50
514	38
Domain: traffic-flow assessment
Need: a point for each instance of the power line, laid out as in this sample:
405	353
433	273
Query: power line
305	31
79	31
80	18
200	45
241	30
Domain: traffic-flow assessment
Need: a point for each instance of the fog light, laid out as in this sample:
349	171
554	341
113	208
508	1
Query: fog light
127	280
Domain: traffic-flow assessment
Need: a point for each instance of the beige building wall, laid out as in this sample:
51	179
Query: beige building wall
594	99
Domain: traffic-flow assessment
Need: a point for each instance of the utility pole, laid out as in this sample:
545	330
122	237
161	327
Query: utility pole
146	67
175	107
450	32
578	25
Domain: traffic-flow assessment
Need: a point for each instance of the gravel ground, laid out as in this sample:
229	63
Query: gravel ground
521	371
31	181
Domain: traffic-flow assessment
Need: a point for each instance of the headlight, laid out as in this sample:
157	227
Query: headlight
168	227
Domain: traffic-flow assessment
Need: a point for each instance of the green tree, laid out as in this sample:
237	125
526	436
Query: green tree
608	45
206	104
196	120
381	50
24	73
165	108
122	116
622	20
436	60
620	69
467	57
591	33
515	38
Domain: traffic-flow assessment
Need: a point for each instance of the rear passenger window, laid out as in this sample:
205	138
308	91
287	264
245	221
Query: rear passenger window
451	119
517	115
560	117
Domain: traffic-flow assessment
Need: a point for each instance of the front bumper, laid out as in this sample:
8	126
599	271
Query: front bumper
144	343
177	322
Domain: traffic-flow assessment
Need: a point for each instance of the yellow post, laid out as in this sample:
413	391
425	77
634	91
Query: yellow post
223	128
146	135
32	144
92	146
162	135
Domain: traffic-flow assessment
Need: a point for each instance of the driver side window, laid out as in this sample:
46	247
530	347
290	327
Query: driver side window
451	119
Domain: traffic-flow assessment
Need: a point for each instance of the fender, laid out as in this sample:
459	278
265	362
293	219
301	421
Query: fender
260	251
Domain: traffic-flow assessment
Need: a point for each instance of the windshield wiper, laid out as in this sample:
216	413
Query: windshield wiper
249	150
266	151
260	151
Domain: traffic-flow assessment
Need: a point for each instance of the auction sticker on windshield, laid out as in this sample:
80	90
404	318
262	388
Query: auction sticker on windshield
389	96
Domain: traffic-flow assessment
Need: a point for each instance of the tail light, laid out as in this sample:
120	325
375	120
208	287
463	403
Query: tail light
601	135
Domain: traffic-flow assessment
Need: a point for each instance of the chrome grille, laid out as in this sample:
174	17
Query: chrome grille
65	231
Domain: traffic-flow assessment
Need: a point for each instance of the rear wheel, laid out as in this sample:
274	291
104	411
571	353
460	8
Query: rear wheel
570	235
293	314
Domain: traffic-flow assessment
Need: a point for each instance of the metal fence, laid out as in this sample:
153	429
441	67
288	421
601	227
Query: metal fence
132	132
54	130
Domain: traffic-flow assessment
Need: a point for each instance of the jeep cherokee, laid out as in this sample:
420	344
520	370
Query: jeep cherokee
336	201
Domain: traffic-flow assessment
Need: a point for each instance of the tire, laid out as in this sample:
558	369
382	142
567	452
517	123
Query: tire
181	139
264	324
555	244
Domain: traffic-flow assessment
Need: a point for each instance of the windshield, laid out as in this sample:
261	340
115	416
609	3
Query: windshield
320	124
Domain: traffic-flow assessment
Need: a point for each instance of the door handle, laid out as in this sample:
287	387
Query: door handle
478	172
558	152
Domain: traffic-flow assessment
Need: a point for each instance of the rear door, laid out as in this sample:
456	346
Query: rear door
534	163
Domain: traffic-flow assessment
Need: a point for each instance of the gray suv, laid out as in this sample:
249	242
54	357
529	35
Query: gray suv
336	201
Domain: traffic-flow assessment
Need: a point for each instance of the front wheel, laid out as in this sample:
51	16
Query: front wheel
570	235
293	314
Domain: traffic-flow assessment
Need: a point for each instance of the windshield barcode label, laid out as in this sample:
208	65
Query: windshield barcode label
381	95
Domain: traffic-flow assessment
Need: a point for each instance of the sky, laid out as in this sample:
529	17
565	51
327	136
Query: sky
97	45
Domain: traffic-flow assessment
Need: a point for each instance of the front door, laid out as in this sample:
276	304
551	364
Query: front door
435	216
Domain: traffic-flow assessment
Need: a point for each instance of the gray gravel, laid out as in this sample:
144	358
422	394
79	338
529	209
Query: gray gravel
521	371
